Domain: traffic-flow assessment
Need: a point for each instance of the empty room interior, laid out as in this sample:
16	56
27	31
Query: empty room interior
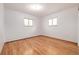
39	28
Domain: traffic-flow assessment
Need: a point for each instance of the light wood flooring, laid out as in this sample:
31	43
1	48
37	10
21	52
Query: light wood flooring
40	45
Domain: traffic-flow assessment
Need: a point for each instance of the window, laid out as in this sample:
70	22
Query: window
27	22
50	22
53	21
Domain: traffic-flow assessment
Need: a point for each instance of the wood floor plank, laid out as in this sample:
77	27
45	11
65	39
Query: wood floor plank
40	45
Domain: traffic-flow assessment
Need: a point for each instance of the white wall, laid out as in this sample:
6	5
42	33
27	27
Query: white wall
78	28
2	36
15	28
67	25
66	28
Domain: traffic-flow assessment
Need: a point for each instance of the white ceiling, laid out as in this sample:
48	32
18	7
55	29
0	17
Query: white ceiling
48	8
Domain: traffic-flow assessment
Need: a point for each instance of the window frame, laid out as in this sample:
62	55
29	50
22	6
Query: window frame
53	22
28	24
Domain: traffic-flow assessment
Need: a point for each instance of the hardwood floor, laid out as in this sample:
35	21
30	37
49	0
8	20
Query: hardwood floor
40	45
